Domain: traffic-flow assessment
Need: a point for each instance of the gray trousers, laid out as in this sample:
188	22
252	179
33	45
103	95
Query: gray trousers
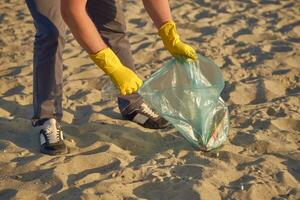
49	43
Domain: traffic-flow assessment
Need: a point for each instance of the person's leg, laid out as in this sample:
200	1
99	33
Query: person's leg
47	74
109	19
47	62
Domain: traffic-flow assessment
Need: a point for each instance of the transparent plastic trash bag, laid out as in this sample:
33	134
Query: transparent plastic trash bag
187	94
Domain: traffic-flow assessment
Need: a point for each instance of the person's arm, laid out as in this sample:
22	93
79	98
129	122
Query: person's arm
75	15
159	11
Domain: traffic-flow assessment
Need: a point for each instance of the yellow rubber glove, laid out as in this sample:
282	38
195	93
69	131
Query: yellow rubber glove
172	41
124	78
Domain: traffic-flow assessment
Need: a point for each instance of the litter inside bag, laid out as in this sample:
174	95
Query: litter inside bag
187	94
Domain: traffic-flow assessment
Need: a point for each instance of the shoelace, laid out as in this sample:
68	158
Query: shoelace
148	111
49	135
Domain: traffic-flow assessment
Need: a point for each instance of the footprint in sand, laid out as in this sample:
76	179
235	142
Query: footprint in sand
287	124
275	88
243	94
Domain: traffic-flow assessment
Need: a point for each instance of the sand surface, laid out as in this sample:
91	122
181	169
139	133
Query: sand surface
257	45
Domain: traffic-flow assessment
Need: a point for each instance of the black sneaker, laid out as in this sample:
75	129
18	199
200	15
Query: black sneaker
51	137
140	113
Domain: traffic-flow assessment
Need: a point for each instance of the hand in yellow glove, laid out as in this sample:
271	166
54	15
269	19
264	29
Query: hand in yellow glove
172	41
125	79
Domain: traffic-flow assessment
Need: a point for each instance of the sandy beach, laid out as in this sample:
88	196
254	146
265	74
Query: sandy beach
257	45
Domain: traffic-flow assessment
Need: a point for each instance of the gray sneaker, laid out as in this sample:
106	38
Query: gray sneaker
51	137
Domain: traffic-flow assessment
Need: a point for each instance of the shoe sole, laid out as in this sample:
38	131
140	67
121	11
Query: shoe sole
54	153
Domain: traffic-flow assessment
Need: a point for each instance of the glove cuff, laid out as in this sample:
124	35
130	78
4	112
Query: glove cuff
165	25
168	32
107	60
